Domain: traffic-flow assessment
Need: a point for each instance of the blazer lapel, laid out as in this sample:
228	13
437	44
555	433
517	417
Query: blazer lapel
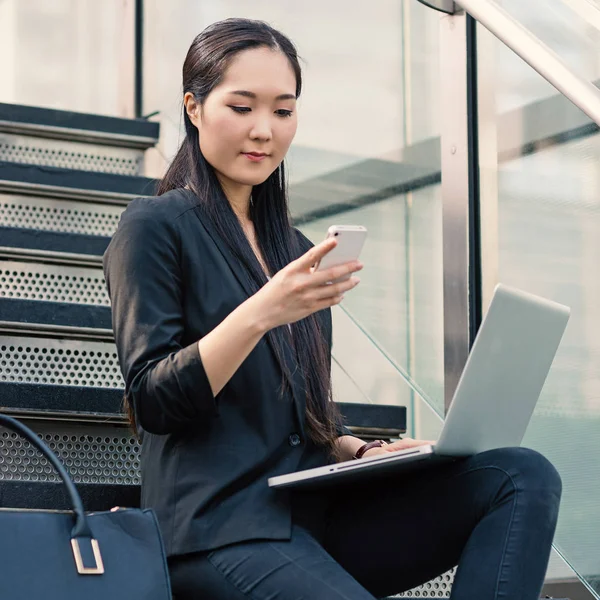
232	261
297	381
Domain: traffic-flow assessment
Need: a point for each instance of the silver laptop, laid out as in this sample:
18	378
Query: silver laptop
494	399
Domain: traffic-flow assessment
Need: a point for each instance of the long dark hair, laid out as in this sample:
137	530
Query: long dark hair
204	67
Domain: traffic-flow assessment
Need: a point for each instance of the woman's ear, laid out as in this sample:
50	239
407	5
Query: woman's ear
192	108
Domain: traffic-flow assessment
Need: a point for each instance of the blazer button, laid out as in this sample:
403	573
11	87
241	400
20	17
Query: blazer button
294	439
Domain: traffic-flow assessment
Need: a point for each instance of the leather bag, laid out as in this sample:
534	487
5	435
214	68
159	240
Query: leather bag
73	555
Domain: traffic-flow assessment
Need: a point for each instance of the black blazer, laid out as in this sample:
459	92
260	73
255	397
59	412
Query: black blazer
204	460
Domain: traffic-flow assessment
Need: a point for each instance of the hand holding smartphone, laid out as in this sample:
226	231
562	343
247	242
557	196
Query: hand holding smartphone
350	241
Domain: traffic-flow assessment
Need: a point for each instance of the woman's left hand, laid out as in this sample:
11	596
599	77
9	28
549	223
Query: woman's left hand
402	444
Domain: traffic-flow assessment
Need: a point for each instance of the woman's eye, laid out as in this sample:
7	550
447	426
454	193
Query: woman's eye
283	113
240	109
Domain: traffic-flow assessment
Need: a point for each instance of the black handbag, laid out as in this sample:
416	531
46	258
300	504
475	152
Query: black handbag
54	555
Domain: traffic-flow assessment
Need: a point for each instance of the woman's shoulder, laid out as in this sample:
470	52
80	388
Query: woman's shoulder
164	209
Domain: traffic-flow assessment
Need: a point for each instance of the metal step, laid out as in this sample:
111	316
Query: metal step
38	317
75	249
53	496
61	183
101	458
50	227
59	361
93	453
48	257
50	214
52	283
64	401
35	150
73	126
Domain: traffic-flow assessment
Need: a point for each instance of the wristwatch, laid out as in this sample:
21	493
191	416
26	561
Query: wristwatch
374	444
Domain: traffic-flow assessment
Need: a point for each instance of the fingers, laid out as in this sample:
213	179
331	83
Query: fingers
327	296
327	302
406	443
315	254
336	289
333	273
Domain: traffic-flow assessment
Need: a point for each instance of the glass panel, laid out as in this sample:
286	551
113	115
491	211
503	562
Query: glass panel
363	373
399	302
552	197
571	28
548	218
67	54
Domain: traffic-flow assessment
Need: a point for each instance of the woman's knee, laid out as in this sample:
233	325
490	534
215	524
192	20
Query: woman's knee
530	470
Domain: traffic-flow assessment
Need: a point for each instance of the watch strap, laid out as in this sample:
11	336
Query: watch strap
374	444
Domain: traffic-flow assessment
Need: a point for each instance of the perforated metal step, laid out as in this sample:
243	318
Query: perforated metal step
52	283
33	150
66	216
91	454
61	362
54	301
440	587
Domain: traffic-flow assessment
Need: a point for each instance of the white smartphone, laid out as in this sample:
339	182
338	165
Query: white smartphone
350	241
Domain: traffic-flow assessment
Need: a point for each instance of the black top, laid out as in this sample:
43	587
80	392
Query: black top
205	461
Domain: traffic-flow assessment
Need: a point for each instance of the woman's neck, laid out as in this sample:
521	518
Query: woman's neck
238	196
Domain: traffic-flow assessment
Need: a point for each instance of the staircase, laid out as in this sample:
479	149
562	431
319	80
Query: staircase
64	180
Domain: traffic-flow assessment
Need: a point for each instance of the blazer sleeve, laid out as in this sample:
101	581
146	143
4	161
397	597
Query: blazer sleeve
305	246
165	381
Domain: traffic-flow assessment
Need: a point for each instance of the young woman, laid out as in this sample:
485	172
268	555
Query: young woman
223	333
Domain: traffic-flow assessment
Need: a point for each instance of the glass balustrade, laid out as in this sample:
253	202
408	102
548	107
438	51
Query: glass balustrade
541	184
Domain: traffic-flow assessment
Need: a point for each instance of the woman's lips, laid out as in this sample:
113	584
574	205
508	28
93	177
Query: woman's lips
255	156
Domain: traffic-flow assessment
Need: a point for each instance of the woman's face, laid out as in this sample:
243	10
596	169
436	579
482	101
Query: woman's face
248	121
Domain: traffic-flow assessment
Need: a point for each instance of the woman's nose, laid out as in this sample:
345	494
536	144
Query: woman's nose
261	129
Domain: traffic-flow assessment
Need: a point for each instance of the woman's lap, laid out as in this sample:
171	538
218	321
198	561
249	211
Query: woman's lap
264	570
396	536
393	536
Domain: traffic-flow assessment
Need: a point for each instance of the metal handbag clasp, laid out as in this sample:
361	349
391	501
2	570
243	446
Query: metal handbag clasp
81	568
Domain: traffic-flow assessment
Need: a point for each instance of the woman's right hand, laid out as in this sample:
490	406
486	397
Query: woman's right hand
298	290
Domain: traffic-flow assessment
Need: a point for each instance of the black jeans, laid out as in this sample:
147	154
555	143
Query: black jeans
493	514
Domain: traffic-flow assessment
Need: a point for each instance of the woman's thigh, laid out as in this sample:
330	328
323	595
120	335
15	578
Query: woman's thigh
297	569
392	536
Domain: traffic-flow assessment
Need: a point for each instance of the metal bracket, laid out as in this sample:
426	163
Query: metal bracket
445	6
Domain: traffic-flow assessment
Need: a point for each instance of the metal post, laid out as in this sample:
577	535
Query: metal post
487	114
139	60
459	187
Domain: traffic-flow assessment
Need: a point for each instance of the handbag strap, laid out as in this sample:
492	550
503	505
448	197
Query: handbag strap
81	527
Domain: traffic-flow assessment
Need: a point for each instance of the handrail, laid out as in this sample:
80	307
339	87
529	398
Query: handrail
584	94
